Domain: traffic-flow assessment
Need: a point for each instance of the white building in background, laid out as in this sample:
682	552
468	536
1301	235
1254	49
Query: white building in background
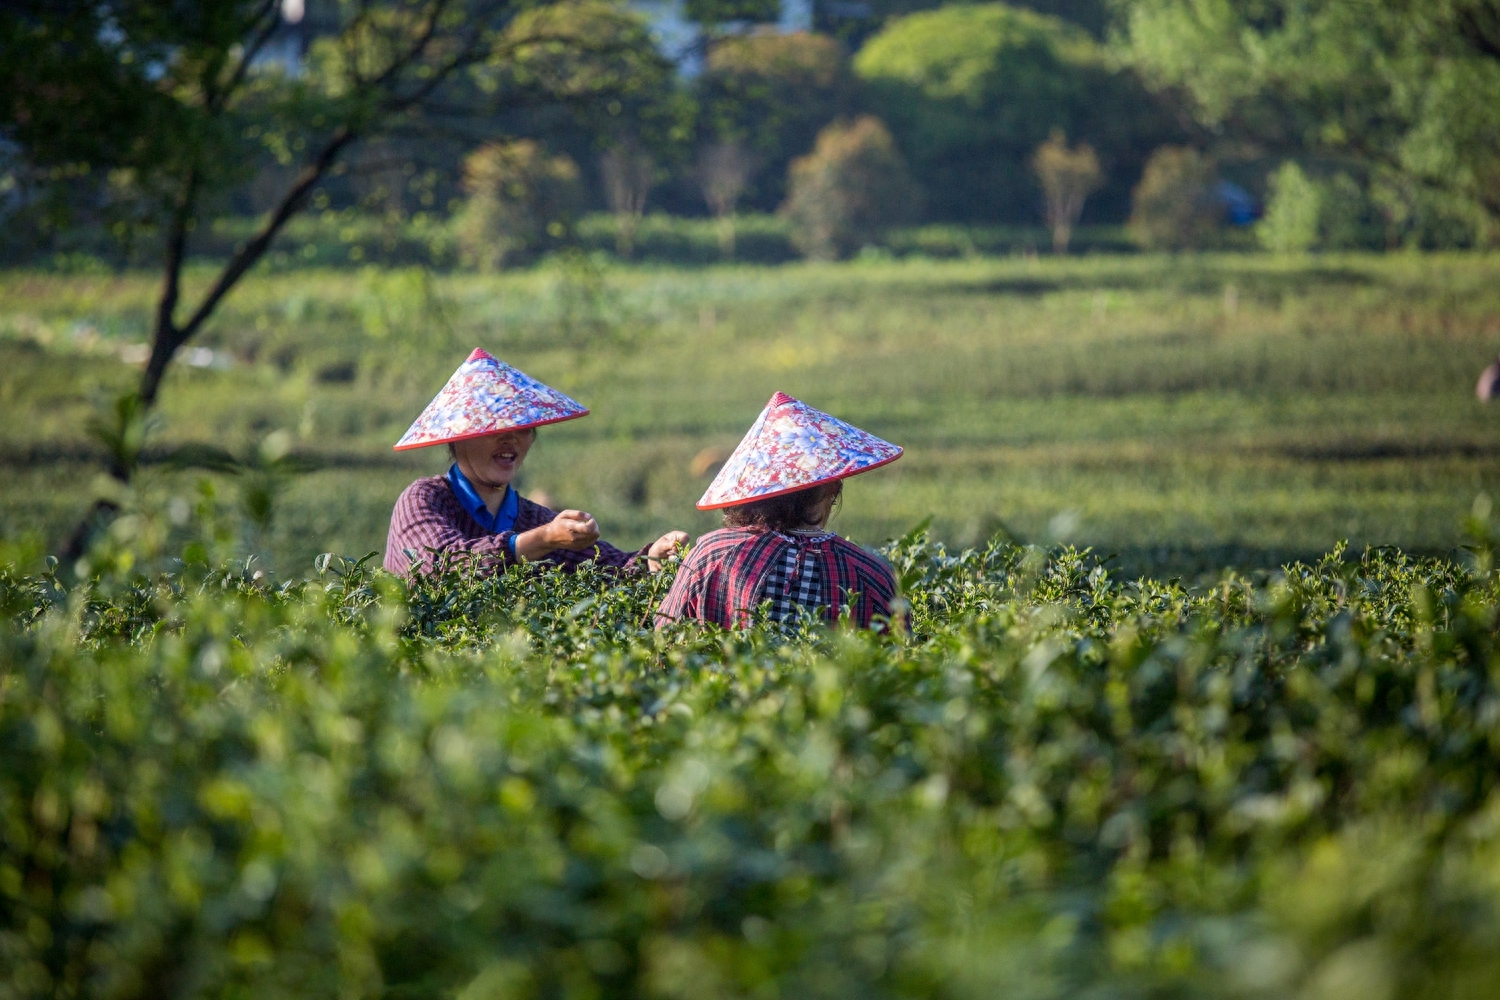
796	15
681	40
288	43
676	36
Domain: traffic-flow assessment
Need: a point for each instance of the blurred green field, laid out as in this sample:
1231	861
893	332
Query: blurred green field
1183	412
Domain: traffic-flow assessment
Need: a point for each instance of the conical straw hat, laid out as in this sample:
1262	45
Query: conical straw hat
791	447
486	396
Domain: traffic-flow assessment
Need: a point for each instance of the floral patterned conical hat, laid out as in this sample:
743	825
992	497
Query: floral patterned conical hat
791	447
486	396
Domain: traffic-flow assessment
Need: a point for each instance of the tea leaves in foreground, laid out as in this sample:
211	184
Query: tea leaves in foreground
1055	783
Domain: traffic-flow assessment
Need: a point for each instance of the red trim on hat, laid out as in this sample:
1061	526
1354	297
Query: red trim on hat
807	486
498	430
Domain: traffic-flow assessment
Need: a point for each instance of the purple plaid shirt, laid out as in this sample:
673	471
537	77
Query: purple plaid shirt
429	519
723	578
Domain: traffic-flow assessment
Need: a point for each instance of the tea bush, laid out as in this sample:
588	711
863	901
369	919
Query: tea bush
1056	782
1192	412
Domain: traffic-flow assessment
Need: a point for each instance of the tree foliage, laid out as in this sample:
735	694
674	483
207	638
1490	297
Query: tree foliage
724	170
714	13
1290	224
1410	88
971	90
1068	177
183	106
851	188
772	94
629	172
1174	207
521	199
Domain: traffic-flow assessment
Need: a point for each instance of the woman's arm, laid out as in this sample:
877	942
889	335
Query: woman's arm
571	531
685	597
571	538
534	543
428	520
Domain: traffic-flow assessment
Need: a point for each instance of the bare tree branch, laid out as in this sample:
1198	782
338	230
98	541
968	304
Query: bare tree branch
384	88
415	50
435	81
164	342
290	205
270	13
170	337
1479	25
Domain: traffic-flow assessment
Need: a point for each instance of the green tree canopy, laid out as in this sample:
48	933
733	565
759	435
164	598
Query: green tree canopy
773	93
712	13
853	186
1091	15
1409	88
172	103
972	90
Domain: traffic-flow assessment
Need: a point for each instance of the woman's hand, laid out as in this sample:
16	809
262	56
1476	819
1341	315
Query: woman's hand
572	529
663	547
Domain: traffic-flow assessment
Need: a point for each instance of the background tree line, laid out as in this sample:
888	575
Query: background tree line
486	131
1354	124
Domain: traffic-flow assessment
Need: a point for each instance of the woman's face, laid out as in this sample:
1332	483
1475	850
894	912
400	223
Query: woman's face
495	459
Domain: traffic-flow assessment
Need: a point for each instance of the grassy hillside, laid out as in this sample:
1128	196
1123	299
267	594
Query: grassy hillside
1179	411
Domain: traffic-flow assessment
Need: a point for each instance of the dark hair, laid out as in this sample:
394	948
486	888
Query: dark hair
783	513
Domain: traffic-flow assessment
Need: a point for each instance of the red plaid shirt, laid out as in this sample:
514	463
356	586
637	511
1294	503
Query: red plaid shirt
722	578
428	519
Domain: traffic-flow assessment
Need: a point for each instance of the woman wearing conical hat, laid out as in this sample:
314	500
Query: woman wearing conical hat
487	415
776	491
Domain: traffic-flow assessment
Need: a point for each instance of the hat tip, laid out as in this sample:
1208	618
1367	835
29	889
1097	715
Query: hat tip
479	354
781	399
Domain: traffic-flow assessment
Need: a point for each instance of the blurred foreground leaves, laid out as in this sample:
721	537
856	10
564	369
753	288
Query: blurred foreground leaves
1058	783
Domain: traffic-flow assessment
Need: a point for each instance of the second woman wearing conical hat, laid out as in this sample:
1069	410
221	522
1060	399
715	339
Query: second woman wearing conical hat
487	415
777	490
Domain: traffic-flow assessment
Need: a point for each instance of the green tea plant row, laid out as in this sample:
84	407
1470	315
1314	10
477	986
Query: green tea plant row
1191	412
1055	783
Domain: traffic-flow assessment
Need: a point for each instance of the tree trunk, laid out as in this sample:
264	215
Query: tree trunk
168	336
164	344
625	234
78	542
726	236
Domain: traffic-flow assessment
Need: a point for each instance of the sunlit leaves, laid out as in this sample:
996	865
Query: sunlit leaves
474	784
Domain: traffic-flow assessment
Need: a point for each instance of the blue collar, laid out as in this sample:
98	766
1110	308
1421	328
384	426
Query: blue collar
503	519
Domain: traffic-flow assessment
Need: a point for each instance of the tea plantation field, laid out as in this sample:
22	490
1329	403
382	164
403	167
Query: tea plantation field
1181	412
1055	785
1054	779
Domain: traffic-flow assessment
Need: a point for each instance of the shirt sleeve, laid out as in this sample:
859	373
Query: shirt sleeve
422	528
685	597
871	583
881	590
534	515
